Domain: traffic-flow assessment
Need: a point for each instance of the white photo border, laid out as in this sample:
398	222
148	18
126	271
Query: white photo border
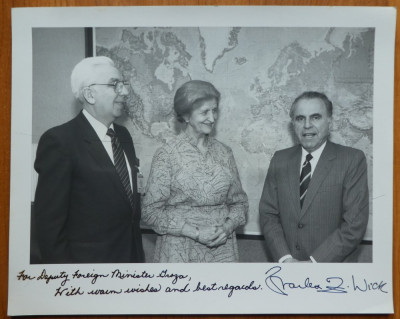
34	297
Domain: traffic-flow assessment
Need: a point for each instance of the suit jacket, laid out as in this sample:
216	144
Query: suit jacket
81	211
334	216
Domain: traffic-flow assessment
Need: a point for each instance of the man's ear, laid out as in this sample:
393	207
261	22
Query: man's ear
88	95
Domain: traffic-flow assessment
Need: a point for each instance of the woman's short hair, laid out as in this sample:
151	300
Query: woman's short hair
84	73
191	94
312	95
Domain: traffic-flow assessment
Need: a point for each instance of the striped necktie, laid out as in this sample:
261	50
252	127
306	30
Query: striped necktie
305	178
120	165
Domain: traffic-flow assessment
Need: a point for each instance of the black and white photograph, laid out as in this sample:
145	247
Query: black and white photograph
153	149
194	188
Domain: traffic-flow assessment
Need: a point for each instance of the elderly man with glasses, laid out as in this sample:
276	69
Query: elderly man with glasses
87	208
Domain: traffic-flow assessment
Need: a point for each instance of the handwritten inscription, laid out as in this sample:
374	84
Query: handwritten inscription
63	276
175	277
334	285
142	290
73	291
94	276
127	275
78	283
22	276
104	292
231	288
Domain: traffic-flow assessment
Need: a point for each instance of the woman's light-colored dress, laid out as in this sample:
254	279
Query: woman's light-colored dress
186	185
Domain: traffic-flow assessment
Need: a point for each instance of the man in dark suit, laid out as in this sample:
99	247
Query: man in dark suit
314	208
87	209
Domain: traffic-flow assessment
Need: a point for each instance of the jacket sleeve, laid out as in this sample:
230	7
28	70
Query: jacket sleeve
355	215
270	220
52	198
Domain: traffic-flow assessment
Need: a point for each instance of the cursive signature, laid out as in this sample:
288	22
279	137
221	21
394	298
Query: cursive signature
334	285
276	284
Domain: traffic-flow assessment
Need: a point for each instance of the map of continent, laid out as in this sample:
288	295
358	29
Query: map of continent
259	71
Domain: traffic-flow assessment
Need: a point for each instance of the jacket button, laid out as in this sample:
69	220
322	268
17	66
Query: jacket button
298	247
300	225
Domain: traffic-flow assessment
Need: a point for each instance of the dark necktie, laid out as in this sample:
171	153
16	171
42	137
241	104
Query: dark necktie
305	178
120	165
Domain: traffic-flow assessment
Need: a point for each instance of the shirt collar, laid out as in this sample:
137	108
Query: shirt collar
316	154
100	128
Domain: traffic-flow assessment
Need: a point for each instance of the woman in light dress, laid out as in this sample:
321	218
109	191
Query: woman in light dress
194	198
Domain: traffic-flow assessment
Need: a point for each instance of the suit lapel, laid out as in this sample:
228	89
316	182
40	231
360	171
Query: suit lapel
99	154
293	171
321	171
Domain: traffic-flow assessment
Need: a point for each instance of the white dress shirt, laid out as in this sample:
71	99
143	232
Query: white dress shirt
101	131
314	161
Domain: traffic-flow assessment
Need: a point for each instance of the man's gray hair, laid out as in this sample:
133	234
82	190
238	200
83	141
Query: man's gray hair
312	95
84	72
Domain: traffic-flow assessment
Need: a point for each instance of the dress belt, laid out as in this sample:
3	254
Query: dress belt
197	206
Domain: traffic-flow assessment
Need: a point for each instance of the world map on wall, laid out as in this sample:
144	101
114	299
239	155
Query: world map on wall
259	72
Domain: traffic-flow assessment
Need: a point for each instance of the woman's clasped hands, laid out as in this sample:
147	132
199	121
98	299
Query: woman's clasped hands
210	236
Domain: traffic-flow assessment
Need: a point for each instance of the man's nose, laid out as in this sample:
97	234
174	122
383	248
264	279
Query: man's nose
124	91
211	117
307	123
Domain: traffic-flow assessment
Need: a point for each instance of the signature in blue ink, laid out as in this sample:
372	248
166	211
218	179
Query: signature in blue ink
276	284
364	285
333	285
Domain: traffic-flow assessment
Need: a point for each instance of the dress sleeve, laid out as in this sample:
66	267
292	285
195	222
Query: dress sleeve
162	218
236	199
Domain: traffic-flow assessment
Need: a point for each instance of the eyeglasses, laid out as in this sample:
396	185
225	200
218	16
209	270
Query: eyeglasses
118	85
